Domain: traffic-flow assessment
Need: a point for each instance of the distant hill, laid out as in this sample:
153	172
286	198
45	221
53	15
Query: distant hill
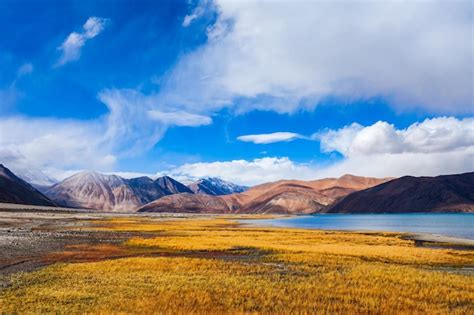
447	193
285	197
15	190
215	186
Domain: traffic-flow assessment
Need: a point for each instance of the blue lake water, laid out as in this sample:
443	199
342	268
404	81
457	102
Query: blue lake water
452	224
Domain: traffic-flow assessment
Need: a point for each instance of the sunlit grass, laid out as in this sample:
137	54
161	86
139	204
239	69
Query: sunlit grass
221	267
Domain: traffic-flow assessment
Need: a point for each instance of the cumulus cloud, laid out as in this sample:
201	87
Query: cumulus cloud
443	145
401	164
442	134
285	57
270	137
71	47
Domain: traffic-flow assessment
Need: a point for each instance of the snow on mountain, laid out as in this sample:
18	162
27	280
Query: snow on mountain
215	186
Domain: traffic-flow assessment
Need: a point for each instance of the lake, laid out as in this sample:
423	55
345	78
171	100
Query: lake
448	224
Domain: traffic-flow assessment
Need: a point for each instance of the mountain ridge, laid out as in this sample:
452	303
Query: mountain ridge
283	197
444	193
13	189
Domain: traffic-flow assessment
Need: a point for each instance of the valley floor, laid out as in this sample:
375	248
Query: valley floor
108	263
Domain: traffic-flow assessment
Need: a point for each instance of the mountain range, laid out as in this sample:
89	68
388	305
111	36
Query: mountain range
113	193
346	194
284	197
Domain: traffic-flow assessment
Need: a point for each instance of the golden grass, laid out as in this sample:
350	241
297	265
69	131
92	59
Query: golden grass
221	267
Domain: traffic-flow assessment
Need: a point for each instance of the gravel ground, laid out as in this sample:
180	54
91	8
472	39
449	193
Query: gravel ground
28	235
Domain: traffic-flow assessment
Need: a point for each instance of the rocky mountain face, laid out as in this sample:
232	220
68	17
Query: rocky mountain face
111	192
172	186
448	193
215	186
94	191
284	197
15	190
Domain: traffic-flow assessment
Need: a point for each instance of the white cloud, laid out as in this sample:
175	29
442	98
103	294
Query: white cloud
58	145
71	47
442	134
437	146
179	118
284	57
270	137
401	164
443	145
50	143
197	12
245	172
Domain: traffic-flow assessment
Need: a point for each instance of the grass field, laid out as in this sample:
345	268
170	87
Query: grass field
214	265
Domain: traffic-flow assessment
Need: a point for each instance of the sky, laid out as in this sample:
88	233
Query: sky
249	91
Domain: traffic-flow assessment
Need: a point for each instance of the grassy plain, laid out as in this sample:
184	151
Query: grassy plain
215	265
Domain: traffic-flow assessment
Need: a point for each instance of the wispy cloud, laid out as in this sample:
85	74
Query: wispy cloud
133	124
179	118
270	137
25	69
71	47
197	12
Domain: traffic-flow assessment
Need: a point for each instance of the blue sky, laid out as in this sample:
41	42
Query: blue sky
168	87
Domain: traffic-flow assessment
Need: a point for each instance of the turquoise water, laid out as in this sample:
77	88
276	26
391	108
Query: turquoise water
452	224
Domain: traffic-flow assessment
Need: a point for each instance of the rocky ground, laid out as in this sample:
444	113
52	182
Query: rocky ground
30	235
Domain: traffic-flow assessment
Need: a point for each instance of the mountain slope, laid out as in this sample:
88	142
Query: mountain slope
286	196
94	191
215	186
171	186
188	203
146	190
15	190
448	193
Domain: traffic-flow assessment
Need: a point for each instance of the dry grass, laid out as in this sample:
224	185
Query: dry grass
220	267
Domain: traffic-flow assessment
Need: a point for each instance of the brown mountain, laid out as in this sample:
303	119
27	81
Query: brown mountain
15	190
111	192
94	191
286	196
448	193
